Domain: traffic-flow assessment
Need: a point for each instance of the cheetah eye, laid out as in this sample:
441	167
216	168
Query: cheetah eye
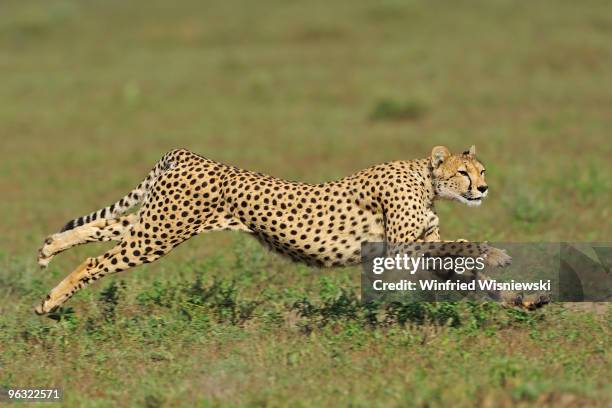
482	172
463	172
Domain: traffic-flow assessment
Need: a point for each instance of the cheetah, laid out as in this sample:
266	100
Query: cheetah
324	224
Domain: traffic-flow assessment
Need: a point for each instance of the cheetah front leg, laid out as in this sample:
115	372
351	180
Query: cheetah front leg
100	230
494	256
402	237
497	258
432	234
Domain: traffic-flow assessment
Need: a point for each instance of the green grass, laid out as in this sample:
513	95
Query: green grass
221	333
388	109
93	93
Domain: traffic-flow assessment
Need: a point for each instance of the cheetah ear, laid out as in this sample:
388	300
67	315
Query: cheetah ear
471	151
438	155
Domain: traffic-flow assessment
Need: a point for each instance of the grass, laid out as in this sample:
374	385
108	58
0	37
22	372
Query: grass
94	93
208	334
389	109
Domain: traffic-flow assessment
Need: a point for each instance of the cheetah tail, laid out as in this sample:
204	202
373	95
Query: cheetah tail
130	200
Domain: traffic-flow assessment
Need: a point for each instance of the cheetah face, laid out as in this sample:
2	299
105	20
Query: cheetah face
458	177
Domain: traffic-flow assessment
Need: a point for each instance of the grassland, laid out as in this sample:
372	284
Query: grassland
92	93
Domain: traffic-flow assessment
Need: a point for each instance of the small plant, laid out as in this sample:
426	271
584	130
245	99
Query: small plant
443	313
588	185
161	294
345	306
153	401
63	314
109	299
480	314
406	312
523	317
530	210
526	391
222	299
392	110
504	369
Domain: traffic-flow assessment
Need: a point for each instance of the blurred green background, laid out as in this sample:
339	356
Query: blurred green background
92	93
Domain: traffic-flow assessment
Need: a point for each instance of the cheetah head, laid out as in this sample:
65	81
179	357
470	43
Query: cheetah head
458	177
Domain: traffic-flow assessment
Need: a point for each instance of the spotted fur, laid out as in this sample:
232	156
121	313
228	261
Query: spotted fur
320	224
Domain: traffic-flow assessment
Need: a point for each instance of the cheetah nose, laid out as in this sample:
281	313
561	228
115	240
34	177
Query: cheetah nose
482	189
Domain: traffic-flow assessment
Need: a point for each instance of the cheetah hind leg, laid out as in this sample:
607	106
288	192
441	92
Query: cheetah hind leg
100	230
115	260
527	302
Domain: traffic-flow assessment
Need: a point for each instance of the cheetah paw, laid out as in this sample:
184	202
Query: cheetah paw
529	302
497	257
44	254
45	307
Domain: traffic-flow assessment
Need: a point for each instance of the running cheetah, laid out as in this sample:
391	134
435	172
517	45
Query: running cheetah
320	224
